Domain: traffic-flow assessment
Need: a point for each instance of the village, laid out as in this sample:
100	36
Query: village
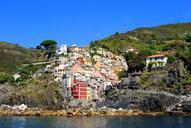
84	73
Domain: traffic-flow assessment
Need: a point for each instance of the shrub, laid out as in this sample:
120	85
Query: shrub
6	78
188	37
171	59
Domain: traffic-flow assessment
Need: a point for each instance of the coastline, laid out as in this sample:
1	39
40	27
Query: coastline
78	112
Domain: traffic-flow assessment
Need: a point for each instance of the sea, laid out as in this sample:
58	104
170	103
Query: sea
96	122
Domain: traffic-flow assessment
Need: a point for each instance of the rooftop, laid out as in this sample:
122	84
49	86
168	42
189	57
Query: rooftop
156	56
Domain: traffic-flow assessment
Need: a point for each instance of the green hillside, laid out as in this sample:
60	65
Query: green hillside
12	56
173	39
150	40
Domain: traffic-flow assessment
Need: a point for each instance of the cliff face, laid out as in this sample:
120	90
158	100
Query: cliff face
42	94
143	99
173	78
151	90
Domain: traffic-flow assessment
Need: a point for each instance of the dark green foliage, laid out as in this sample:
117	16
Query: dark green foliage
184	53
49	46
188	37
27	71
134	61
171	59
5	78
39	47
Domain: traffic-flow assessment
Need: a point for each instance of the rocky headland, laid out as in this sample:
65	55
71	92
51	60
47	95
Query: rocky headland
33	82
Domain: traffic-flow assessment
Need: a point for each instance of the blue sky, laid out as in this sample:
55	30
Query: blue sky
28	22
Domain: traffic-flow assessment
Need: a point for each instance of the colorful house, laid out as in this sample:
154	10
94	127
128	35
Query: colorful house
79	90
89	94
157	60
58	72
97	58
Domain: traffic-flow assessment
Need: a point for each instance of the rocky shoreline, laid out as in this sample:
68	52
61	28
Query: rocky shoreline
74	112
22	110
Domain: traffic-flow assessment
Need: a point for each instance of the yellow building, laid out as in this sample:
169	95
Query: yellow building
63	59
97	58
88	62
89	93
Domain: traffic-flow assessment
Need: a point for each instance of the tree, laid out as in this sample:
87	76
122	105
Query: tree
171	59
39	47
188	38
49	46
134	61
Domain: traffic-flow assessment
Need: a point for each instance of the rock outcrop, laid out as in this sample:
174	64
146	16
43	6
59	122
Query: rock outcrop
32	96
140	99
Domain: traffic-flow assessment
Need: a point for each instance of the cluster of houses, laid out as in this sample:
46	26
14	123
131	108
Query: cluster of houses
86	73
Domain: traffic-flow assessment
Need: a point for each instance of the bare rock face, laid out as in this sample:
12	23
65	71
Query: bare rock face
156	102
168	78
142	100
6	91
131	81
186	106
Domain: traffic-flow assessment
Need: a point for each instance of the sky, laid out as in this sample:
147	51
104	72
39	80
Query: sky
29	22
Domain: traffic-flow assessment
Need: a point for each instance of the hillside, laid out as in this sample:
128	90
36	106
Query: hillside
37	88
149	40
12	56
172	39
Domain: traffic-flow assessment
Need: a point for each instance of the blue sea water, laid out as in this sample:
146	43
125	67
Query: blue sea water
97	122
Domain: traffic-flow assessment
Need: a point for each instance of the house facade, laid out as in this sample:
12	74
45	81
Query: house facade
62	50
157	60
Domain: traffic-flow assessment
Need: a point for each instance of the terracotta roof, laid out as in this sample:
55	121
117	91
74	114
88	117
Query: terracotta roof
156	55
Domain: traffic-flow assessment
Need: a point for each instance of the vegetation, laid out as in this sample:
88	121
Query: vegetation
12	56
49	46
188	37
5	78
26	73
175	39
171	59
134	61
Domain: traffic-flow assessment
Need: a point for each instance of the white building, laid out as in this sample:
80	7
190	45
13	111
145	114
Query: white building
58	72
158	60
62	50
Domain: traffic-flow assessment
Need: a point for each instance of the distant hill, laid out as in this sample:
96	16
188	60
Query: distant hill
12	56
151	40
